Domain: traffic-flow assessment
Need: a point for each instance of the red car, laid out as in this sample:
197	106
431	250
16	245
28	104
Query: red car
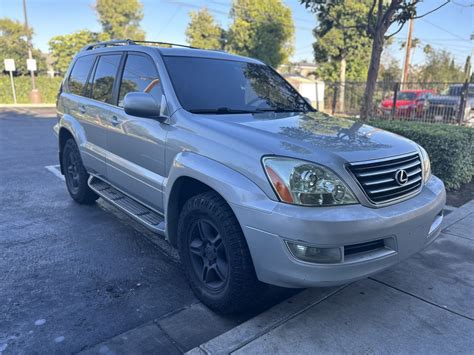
410	103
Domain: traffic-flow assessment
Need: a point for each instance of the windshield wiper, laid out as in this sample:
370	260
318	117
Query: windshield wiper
220	110
281	109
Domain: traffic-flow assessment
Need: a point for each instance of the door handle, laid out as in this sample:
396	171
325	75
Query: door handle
114	120
82	109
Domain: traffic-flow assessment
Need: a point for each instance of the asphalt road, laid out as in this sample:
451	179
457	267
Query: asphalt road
73	276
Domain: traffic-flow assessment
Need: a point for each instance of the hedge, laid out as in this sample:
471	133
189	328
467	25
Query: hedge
48	88
451	148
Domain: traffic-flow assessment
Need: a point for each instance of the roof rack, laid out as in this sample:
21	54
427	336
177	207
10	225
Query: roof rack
128	42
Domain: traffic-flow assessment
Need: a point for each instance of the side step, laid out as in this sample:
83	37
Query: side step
133	208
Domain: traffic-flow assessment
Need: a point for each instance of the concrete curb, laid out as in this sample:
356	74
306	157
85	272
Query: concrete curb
265	322
458	214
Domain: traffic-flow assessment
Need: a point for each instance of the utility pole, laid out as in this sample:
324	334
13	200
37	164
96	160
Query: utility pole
406	63
35	97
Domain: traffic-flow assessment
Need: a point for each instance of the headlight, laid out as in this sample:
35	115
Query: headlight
308	184
426	164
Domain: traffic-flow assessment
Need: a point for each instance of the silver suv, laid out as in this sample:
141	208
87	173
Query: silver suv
221	156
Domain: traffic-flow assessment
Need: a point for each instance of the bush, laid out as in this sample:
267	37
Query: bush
48	88
450	148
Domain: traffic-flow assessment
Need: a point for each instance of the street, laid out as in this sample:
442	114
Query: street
73	276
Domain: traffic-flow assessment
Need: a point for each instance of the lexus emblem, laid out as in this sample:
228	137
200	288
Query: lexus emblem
401	177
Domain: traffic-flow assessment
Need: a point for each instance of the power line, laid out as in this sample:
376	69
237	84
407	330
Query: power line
442	29
169	21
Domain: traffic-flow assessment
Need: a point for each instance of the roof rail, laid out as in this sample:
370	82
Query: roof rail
127	42
117	42
164	44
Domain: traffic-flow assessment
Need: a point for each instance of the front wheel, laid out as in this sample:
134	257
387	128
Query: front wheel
76	175
215	256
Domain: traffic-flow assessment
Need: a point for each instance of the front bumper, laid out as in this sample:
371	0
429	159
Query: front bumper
405	228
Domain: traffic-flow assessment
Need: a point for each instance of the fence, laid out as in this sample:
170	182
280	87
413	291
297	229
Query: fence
439	102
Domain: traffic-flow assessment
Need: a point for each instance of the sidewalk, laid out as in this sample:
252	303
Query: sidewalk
424	305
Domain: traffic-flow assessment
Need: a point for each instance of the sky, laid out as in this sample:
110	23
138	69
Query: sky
449	28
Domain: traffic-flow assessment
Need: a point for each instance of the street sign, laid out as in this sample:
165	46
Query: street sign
31	64
9	64
10	67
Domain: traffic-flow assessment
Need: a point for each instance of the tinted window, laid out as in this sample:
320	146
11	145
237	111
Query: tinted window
140	74
104	78
406	96
79	74
224	86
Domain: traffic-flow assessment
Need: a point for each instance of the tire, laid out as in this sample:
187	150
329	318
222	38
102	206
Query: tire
209	234
76	175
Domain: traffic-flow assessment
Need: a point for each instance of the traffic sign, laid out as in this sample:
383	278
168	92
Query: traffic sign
31	64
9	64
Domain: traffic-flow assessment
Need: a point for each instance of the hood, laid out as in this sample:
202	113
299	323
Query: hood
307	136
445	100
398	103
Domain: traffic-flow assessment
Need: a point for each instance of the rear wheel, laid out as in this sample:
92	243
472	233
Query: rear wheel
215	256
76	175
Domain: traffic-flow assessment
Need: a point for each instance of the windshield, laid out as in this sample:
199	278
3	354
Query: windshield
406	96
457	90
218	86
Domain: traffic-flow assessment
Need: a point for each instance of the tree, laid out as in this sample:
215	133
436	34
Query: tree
390	71
203	32
13	44
381	16
439	67
340	42
63	48
120	19
261	29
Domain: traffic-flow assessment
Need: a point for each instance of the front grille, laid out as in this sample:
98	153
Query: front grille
378	178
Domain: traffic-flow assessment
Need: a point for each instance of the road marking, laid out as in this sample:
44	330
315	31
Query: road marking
55	169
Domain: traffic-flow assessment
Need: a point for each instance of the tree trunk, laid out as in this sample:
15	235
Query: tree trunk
342	84
367	106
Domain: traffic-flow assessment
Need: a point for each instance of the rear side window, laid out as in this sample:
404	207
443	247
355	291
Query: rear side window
140	74
104	77
80	71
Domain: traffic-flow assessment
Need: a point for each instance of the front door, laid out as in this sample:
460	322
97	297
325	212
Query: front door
135	145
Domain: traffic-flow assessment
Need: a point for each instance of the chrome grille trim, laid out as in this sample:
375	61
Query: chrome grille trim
377	178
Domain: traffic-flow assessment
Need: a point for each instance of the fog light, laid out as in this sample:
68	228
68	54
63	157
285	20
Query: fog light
315	255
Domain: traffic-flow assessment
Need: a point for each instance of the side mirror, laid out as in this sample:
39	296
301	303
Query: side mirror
142	104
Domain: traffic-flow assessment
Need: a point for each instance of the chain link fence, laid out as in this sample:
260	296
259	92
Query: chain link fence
435	102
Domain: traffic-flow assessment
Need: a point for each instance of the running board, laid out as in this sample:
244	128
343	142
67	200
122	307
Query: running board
130	206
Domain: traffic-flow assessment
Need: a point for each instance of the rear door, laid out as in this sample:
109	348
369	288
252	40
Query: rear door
97	107
79	106
136	145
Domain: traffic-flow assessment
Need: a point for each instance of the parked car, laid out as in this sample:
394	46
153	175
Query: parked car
226	160
409	104
446	107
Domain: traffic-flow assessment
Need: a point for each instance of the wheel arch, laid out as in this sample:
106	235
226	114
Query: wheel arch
69	127
192	174
63	136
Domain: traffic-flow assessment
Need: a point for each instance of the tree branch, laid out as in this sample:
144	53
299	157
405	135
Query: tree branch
394	33
370	18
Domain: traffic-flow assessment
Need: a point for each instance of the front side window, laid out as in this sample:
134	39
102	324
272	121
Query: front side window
80	72
104	77
216	86
140	74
